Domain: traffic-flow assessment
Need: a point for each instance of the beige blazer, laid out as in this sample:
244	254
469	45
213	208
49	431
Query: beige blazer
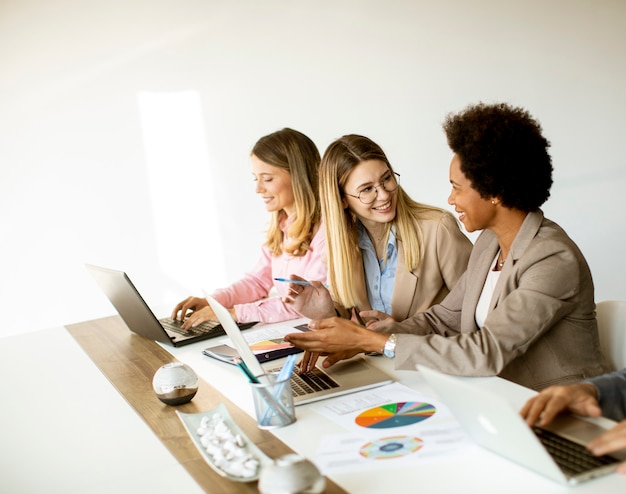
446	251
541	327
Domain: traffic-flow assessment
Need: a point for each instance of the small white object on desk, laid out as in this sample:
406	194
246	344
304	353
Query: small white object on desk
291	473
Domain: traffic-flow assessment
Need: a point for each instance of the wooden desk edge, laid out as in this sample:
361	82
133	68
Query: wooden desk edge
129	362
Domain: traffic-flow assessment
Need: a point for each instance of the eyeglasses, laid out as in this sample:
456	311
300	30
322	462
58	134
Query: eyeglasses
368	195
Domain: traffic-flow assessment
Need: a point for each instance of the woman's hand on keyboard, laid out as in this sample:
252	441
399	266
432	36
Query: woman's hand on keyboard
190	304
193	311
198	317
307	364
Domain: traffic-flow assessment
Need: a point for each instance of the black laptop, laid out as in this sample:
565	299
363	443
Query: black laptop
132	308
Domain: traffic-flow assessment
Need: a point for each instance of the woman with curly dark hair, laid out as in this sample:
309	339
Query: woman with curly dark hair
524	309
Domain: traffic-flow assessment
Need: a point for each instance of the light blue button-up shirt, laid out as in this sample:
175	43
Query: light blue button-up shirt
379	277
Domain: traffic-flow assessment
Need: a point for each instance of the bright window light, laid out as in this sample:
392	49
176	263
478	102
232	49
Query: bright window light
180	180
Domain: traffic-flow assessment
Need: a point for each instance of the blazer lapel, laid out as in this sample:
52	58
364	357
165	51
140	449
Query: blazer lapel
527	232
404	287
485	250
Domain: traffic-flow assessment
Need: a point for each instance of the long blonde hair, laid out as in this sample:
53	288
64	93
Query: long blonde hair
293	151
342	231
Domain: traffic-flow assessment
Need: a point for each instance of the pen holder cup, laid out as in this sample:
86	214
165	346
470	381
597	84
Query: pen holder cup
273	401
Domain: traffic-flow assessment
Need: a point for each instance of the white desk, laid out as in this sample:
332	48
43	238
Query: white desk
482	471
65	429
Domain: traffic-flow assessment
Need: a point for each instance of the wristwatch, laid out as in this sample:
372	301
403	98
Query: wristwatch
389	350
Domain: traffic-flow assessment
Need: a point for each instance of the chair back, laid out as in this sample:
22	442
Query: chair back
611	316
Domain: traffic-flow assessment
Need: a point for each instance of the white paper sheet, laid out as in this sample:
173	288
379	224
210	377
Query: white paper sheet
388	426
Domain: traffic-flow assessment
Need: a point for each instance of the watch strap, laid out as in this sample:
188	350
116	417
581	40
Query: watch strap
389	350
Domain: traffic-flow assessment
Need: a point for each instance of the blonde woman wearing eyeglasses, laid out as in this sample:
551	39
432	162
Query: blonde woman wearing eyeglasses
388	256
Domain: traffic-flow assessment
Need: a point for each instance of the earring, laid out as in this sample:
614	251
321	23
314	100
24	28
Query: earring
492	201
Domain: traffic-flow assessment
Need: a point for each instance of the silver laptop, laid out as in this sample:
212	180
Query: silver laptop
134	311
494	424
344	377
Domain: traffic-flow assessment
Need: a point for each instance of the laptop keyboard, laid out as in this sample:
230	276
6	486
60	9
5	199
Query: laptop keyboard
310	382
212	327
573	458
203	328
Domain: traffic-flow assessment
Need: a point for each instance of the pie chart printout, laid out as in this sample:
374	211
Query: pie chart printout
395	415
390	447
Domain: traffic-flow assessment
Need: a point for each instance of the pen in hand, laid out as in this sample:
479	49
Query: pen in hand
296	282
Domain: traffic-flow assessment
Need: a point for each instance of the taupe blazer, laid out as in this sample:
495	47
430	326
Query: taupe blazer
541	327
445	251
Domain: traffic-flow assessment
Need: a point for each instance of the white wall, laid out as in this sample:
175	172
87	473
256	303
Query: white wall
125	125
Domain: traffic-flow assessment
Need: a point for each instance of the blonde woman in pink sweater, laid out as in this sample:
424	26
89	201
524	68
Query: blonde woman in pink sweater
285	167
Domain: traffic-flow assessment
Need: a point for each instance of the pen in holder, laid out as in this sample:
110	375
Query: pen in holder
273	399
273	402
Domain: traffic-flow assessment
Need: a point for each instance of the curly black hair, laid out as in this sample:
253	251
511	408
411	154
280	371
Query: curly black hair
502	153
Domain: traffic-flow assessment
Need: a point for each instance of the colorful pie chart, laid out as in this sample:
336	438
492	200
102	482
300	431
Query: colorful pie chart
395	415
390	447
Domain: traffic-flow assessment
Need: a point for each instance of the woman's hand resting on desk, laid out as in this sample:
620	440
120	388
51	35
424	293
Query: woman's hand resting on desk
337	338
193	311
